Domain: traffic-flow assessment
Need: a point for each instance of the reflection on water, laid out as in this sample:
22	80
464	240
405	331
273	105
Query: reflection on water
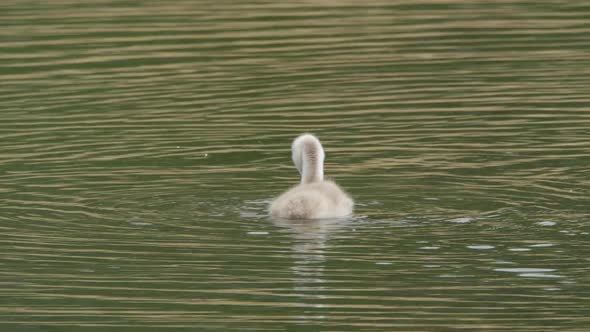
141	143
308	256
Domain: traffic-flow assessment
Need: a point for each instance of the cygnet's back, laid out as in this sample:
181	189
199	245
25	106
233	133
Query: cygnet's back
313	198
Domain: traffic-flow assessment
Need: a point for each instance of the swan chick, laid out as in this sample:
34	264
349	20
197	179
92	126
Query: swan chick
314	197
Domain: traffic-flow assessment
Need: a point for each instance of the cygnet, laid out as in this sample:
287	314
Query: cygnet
314	197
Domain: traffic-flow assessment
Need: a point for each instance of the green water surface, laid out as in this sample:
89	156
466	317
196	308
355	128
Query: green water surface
141	142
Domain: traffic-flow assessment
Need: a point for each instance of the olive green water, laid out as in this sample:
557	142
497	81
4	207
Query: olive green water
141	141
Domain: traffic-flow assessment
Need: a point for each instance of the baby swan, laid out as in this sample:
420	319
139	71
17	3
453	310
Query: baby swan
314	197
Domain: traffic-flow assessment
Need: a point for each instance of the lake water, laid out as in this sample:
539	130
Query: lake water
141	142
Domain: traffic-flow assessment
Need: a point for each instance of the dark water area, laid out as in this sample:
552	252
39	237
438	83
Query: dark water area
141	142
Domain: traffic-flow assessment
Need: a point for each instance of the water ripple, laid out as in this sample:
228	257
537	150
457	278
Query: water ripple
142	142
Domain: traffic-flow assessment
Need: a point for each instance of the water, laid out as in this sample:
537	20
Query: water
142	141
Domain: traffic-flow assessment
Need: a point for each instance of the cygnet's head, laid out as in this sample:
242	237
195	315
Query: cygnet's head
308	157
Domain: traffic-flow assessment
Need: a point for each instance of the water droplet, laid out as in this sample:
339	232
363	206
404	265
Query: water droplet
523	269
140	223
540	245
482	247
461	220
539	275
257	233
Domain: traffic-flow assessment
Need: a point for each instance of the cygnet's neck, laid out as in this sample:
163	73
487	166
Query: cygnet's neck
308	156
